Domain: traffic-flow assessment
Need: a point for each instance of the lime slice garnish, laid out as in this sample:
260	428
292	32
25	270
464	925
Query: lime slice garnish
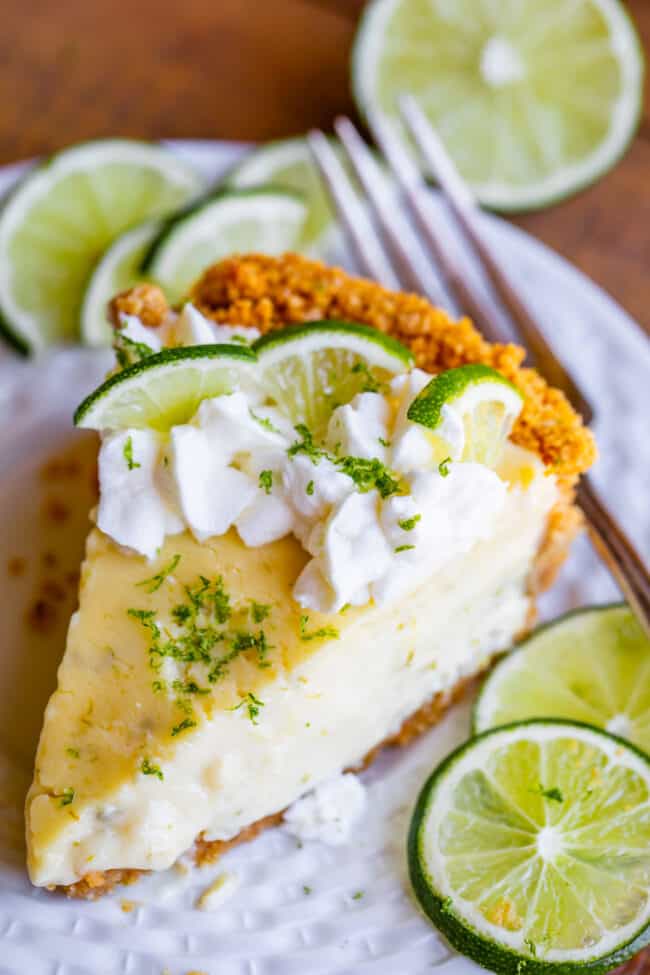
533	101
265	220
289	163
60	219
165	389
117	270
309	370
591	665
530	849
470	411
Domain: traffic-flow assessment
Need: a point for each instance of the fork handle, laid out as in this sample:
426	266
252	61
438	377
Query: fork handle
617	551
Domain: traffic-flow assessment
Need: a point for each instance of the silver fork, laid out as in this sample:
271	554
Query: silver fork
387	250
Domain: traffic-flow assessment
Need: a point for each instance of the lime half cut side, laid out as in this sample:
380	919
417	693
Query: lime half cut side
117	270
530	849
533	100
59	220
289	163
591	665
263	220
309	370
165	389
470	411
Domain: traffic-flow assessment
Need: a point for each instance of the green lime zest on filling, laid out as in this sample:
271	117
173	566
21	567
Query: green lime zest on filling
259	611
443	467
266	481
403	548
184	725
321	633
67	796
369	474
148	768
155	582
127	450
252	705
408	524
306	445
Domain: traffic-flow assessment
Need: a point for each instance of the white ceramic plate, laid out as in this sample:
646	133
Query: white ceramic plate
271	925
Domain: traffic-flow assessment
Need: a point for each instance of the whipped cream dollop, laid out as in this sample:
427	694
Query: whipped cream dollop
133	340
329	812
370	505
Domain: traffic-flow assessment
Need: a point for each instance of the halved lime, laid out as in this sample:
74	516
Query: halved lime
117	270
62	216
470	411
530	849
309	370
533	100
266	220
289	163
591	665
165	389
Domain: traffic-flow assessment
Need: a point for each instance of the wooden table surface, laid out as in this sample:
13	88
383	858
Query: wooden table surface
260	69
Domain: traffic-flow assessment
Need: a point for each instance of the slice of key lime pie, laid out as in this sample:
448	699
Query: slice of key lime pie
323	508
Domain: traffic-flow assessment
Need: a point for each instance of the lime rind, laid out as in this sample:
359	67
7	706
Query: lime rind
164	389
266	218
564	178
377	347
494	946
46	224
592	664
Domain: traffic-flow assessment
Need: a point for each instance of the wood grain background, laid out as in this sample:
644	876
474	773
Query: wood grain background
260	69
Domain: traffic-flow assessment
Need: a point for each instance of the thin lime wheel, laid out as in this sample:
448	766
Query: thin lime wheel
309	370
289	163
117	270
533	100
59	220
529	848
165	389
591	665
265	220
470	412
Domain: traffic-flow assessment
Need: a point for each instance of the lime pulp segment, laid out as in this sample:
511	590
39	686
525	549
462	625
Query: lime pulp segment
165	389
288	163
62	216
591	665
530	848
470	410
117	270
533	100
309	370
264	220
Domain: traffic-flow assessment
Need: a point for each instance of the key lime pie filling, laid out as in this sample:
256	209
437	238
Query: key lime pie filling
265	601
